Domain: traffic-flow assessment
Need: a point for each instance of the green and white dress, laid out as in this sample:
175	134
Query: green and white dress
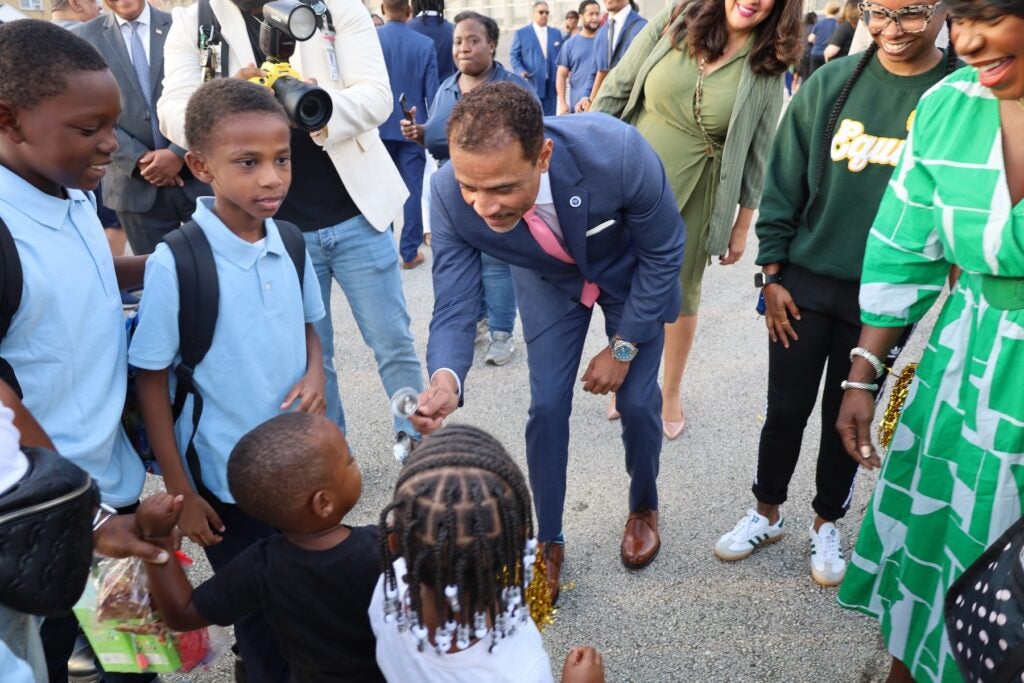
953	479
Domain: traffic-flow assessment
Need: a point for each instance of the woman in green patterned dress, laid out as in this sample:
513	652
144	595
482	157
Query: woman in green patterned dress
953	479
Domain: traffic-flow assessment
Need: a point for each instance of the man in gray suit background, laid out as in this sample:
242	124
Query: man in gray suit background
148	185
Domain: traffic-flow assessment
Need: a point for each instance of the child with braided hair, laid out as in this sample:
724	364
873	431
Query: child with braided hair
457	548
829	166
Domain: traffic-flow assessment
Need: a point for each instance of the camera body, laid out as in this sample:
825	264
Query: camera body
286	22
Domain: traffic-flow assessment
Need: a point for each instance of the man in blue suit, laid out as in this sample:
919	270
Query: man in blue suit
412	67
579	223
430	21
534	56
613	40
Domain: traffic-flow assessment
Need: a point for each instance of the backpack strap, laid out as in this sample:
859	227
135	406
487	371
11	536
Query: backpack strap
197	318
11	283
295	245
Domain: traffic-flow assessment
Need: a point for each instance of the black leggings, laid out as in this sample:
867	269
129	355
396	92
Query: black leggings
828	328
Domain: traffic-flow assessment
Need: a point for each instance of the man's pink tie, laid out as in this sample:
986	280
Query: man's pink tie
544	236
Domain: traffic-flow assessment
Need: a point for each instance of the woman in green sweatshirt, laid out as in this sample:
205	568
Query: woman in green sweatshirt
830	162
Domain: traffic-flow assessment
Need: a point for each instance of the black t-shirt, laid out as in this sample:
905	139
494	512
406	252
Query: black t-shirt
842	38
316	601
317	198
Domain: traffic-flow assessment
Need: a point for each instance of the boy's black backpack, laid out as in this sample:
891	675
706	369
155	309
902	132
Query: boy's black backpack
199	297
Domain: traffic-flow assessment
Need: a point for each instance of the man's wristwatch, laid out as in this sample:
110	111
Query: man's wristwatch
763	279
622	350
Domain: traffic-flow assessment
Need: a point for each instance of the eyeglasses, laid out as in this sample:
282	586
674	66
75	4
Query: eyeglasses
543	11
909	19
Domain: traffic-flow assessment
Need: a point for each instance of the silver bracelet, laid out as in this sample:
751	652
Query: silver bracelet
96	521
858	385
869	357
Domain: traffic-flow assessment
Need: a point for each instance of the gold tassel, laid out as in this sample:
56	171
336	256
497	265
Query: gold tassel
538	594
897	399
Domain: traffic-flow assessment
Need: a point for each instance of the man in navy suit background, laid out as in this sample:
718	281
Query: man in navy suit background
578	223
613	40
412	68
429	20
534	56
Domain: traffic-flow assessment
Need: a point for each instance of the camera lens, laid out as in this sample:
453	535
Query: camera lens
308	106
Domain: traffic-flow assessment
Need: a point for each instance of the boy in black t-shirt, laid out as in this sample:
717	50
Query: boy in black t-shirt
313	581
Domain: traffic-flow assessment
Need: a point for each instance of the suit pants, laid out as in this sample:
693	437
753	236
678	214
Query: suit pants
146	229
549	103
410	160
554	360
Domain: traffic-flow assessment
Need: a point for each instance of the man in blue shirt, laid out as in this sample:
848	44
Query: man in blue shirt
820	36
534	56
412	67
613	40
576	59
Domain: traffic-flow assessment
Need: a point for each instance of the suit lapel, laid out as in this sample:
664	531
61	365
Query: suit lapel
571	203
119	52
159	24
232	26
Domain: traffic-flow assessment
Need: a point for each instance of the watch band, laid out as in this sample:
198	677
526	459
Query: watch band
764	279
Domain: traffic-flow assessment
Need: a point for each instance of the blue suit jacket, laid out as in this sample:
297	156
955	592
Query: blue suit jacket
439	30
412	68
527	56
633	25
636	260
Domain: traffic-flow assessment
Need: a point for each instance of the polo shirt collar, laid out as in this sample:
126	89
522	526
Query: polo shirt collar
38	206
229	245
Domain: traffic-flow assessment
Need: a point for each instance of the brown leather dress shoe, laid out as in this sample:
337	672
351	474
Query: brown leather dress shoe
416	260
554	555
640	542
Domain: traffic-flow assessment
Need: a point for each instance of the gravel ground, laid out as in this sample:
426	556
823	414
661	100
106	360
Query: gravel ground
688	616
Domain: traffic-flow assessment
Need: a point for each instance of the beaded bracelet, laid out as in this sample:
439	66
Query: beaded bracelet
858	385
869	357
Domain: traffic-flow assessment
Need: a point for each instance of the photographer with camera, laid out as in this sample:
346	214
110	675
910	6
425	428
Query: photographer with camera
345	191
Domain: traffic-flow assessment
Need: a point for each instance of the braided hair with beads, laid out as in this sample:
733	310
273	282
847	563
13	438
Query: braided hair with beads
837	109
461	519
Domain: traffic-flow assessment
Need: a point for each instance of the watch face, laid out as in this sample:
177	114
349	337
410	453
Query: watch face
624	352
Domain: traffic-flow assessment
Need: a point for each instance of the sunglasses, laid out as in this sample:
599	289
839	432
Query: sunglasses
543	11
909	19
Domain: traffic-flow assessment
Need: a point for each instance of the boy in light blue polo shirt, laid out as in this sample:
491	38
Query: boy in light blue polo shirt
66	343
265	357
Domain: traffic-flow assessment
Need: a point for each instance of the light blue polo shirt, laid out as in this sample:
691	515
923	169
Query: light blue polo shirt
67	342
259	345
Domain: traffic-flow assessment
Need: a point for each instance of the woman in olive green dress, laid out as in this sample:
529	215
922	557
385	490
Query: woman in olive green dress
703	83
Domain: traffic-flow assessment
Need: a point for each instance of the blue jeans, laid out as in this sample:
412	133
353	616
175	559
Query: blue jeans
365	264
499	296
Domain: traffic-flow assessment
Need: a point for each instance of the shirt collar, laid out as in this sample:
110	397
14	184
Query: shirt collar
538	27
544	195
622	14
229	245
143	18
36	205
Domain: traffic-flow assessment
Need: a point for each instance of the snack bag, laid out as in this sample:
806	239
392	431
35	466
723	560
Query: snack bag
117	616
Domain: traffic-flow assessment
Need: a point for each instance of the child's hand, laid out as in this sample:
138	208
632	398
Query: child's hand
310	390
158	515
199	522
583	665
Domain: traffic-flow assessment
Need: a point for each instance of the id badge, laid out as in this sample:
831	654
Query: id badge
332	62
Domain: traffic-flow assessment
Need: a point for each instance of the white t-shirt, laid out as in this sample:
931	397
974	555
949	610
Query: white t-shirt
518	659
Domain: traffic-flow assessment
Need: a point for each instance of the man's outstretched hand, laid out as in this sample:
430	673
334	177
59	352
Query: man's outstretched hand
437	402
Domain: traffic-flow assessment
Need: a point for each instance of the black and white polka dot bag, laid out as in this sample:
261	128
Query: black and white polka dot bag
985	613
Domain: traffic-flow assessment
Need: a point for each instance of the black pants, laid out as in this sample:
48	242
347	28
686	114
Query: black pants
828	328
59	635
146	229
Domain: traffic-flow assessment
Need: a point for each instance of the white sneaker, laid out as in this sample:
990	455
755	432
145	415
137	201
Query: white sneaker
750	532
501	349
828	566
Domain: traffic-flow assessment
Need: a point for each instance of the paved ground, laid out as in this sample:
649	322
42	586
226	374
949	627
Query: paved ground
688	616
